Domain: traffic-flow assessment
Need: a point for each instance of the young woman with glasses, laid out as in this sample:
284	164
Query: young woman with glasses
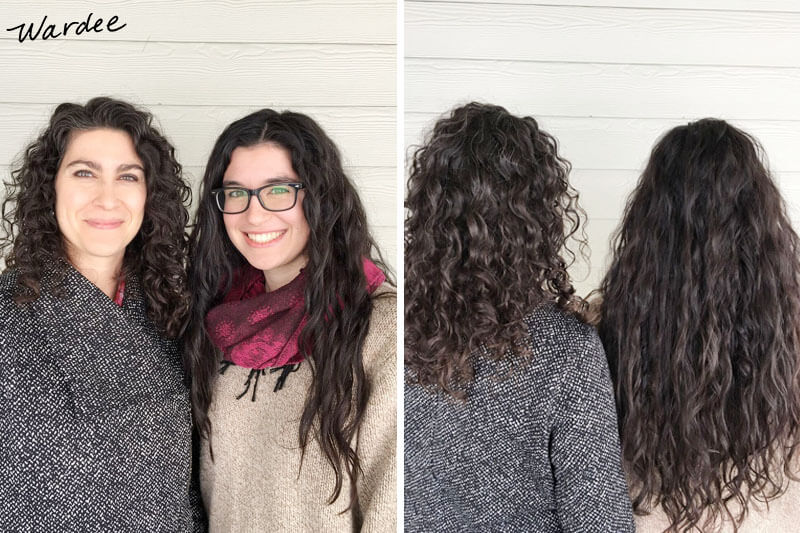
292	343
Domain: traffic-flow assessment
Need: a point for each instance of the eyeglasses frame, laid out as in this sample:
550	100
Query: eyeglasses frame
257	193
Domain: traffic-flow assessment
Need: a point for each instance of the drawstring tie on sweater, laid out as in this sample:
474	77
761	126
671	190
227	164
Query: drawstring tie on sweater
257	373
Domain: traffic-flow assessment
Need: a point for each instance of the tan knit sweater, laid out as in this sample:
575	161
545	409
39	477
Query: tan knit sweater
255	482
783	516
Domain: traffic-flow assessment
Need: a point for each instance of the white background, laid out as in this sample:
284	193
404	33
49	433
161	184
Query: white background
199	65
608	77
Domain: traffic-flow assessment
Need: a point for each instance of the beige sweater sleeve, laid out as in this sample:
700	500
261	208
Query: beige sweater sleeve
378	432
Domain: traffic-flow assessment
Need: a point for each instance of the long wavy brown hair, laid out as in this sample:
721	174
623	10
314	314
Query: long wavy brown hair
490	213
337	303
32	242
701	324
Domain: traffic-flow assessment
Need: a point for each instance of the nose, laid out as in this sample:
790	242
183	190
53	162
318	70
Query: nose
255	213
107	194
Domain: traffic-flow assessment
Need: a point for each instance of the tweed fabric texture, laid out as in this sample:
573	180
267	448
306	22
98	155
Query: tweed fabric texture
255	482
95	418
533	448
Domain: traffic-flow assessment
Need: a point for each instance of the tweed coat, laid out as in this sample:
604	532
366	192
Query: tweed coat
534	446
95	417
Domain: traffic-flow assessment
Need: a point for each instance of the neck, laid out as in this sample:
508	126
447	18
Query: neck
282	275
277	280
103	272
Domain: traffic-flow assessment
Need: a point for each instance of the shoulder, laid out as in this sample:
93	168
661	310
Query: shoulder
562	351
8	282
17	323
384	308
8	279
380	345
549	321
562	336
655	521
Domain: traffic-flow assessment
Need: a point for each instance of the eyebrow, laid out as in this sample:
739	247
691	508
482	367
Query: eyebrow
270	181
130	166
91	164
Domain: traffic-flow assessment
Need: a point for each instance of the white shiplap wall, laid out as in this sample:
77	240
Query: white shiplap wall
608	77
199	65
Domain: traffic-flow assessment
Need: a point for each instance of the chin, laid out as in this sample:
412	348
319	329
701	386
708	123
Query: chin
109	250
262	265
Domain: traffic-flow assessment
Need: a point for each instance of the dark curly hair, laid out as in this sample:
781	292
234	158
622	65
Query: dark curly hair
490	212
32	242
337	302
701	324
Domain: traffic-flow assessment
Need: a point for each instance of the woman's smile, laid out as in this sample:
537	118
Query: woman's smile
262	239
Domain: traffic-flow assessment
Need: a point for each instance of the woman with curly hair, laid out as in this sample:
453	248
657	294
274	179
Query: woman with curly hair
701	323
509	411
292	342
96	417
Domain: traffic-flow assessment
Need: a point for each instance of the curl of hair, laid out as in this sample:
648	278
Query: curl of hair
337	303
33	243
700	321
490	213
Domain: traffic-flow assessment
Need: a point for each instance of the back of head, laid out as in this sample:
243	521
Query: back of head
700	317
489	213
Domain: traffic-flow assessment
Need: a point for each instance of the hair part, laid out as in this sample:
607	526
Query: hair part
701	324
33	244
337	302
490	214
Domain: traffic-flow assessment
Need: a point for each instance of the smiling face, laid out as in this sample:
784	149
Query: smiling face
274	242
100	197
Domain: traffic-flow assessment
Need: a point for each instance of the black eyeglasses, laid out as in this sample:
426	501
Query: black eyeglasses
273	197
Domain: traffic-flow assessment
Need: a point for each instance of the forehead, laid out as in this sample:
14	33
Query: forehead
102	144
259	163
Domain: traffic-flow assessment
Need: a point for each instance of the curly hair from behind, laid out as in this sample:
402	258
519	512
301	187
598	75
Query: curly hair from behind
32	242
701	324
489	216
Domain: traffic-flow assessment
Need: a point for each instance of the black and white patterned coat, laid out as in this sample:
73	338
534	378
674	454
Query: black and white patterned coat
533	448
95	418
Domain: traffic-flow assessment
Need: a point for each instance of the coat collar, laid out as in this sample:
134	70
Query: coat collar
108	350
66	286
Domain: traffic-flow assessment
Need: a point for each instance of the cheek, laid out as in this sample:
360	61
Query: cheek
67	200
139	203
229	221
300	224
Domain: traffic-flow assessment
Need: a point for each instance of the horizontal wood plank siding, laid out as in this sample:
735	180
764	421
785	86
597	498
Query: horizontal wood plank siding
601	34
197	66
246	21
607	78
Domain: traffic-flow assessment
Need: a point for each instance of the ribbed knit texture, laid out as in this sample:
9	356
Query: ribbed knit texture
95	418
533	448
255	482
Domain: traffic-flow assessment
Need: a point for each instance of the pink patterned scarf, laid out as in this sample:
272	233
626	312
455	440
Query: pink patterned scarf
258	329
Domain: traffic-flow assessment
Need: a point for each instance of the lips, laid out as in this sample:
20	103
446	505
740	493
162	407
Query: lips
98	223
